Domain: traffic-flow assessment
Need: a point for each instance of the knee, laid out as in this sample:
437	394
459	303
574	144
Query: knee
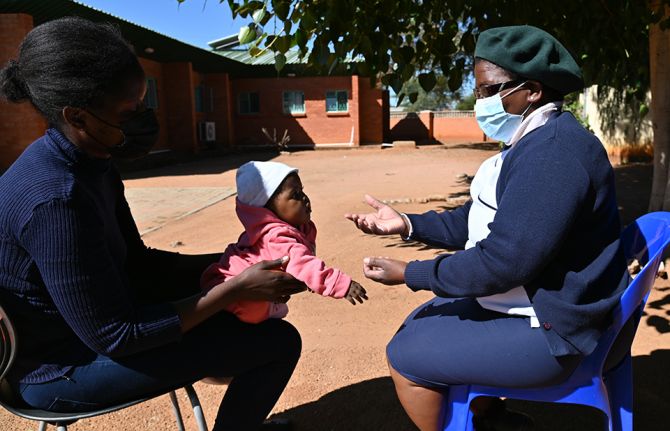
395	358
289	340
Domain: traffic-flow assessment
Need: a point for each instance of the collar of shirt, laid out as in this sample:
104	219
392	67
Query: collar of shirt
534	120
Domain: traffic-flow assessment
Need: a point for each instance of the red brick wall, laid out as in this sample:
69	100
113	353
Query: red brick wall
371	113
180	103
20	124
411	126
425	126
315	127
154	70
451	130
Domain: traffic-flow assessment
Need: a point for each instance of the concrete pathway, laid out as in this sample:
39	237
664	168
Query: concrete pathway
154	207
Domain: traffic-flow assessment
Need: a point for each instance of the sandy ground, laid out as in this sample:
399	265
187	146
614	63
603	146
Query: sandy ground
341	382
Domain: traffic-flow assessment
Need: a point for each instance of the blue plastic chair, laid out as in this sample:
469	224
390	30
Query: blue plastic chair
611	391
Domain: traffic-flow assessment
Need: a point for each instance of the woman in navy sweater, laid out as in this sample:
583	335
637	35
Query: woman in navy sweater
95	323
542	266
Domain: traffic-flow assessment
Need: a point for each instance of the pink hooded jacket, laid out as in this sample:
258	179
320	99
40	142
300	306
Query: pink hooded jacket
266	237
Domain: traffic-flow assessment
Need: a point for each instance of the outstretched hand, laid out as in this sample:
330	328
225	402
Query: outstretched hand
384	270
355	293
384	221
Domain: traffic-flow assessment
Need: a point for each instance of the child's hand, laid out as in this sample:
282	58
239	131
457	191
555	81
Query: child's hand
355	293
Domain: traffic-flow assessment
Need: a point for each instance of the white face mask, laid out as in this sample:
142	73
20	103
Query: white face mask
494	121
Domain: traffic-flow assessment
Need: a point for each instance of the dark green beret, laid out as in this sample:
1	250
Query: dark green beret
531	53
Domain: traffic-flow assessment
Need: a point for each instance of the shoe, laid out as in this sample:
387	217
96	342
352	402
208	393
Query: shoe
277	424
503	419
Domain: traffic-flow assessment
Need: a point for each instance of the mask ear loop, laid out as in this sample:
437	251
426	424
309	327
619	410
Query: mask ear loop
523	114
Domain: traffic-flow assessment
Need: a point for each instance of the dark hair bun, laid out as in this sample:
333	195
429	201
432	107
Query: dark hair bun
12	87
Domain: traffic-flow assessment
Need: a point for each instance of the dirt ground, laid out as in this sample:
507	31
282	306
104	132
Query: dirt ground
341	382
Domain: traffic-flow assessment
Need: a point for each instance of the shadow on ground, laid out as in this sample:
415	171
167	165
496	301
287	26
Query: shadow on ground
214	165
372	405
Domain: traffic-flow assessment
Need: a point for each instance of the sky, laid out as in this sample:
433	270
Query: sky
195	21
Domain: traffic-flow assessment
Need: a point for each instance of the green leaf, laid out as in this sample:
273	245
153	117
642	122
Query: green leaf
280	61
455	79
407	53
396	83
281	8
283	44
427	81
387	78
401	96
287	26
247	34
307	22
413	97
445	65
258	15
300	38
254	51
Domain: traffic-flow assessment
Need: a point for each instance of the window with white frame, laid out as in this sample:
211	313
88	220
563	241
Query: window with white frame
337	101
294	102
151	97
248	103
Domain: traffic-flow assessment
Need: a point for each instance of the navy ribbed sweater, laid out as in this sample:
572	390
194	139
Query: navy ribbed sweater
67	245
556	232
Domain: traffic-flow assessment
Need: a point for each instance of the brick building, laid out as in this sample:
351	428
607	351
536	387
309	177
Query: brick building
209	100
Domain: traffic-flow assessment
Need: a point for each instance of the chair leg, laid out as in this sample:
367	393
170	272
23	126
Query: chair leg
619	383
197	408
456	411
43	426
176	411
61	427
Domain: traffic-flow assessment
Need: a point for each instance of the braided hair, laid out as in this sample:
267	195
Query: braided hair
69	61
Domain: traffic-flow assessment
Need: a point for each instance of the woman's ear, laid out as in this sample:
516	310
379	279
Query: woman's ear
74	117
536	92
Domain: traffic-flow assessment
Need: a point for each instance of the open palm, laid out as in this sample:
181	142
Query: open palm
384	221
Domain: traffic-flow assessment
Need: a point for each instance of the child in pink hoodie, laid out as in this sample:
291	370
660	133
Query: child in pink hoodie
275	213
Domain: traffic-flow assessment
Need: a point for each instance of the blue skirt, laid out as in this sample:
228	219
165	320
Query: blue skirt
449	341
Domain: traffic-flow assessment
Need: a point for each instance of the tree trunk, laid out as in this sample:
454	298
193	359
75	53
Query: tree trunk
659	68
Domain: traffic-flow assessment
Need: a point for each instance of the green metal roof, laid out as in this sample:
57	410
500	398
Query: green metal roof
266	58
165	48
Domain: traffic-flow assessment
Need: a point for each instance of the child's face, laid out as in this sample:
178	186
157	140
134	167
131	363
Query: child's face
290	203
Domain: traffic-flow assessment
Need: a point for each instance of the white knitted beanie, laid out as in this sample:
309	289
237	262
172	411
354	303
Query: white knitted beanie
257	181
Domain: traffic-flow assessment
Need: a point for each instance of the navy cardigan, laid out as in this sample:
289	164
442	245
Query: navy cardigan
556	232
67	245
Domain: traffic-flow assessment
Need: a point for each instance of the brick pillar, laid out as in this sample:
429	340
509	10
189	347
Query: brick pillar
230	109
20	124
181	126
220	84
427	119
354	109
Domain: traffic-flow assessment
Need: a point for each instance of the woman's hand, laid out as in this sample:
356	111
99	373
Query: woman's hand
386	221
266	281
384	270
355	293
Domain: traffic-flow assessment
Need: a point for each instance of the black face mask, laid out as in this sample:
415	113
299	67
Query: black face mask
140	135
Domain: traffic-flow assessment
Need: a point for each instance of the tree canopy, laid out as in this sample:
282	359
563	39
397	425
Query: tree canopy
401	39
